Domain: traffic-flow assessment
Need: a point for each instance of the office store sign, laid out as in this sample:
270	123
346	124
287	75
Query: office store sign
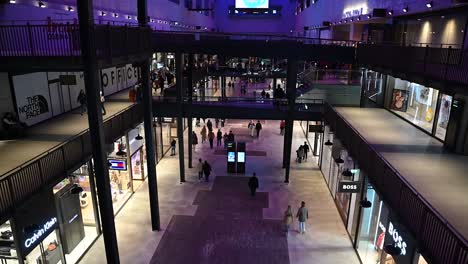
397	239
39	234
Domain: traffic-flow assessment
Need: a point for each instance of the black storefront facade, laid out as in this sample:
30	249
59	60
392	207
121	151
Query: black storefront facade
373	227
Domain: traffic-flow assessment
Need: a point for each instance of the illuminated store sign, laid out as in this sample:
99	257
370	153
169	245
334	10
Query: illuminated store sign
117	164
355	10
40	233
399	242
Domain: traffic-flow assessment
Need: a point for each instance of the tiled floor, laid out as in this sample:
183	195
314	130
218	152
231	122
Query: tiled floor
326	240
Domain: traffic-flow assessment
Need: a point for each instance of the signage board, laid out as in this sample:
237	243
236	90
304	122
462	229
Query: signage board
241	157
315	129
252	4
349	186
117	164
67	79
35	220
231	156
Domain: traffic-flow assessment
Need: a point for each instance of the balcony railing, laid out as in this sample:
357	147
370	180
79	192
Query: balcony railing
49	167
440	64
59	40
440	241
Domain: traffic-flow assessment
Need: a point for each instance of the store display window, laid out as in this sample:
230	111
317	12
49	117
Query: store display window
326	153
373	87
444	115
76	213
8	254
120	178
414	102
372	229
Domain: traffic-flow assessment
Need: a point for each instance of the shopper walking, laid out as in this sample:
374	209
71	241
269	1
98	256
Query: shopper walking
200	169
211	137
282	126
253	184
258	127
300	154
226	139
173	145
203	134
222	122
306	150
287	219
217	122
302	215
102	104
82	101
251	126
207	170
209	125
231	136
194	140
219	137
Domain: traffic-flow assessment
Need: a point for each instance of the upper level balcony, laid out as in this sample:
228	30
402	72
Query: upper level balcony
57	46
445	67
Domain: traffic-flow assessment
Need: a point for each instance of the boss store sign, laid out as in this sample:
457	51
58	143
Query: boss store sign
34	221
349	186
398	235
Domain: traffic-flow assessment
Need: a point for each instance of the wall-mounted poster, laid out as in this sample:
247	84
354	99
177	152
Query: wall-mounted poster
423	94
32	97
399	100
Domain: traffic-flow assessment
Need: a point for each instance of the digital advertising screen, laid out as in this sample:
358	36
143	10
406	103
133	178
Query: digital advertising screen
241	157
252	4
231	156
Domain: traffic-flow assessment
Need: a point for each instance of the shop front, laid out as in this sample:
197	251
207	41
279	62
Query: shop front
49	228
137	150
423	106
372	226
120	173
165	129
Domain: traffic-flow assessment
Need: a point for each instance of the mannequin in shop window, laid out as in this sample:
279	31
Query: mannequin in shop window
117	181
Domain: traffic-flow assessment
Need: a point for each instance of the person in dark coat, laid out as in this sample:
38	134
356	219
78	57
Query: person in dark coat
173	146
231	136
82	101
194	139
306	150
211	137
207	171
209	125
258	127
219	138
253	184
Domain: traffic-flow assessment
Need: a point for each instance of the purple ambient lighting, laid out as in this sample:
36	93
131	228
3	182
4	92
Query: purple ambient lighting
103	13
116	15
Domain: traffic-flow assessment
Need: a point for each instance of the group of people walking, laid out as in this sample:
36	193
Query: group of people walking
302	152
302	215
254	128
209	135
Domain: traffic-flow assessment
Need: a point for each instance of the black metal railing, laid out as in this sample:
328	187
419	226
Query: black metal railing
64	40
440	64
22	182
439	241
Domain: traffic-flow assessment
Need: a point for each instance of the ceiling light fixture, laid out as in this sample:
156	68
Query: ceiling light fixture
429	4
138	137
365	203
390	13
339	160
129	17
347	173
405	9
12	1
116	15
328	143
103	13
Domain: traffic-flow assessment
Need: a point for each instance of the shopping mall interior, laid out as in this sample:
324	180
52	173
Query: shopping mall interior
233	131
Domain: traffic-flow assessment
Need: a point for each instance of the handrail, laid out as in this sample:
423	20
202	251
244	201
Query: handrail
45	153
397	173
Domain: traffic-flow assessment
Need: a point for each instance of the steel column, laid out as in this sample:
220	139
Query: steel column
291	81
180	124
92	86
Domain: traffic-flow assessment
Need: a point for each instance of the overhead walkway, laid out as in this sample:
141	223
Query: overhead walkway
52	148
422	182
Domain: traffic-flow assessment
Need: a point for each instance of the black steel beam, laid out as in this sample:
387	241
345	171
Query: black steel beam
92	86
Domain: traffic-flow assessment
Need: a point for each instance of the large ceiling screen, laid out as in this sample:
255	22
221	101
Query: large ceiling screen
252	3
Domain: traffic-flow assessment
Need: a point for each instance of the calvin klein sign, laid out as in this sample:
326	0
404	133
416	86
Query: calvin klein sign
38	234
